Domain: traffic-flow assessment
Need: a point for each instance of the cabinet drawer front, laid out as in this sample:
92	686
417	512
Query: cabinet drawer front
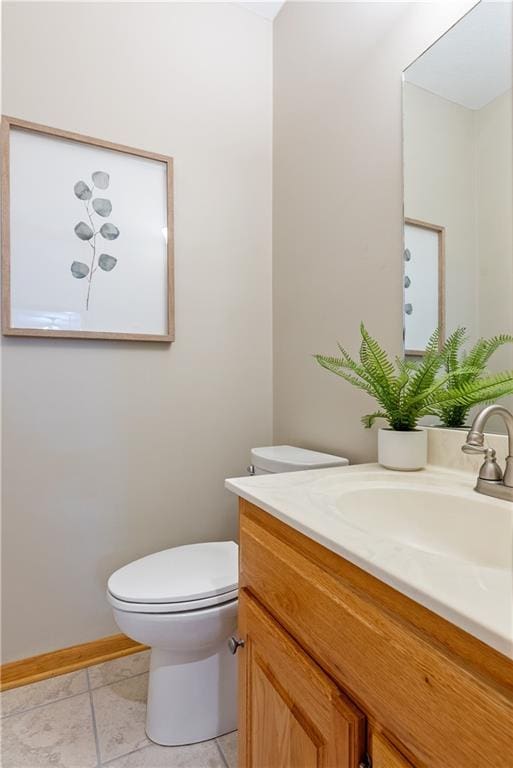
291	714
443	712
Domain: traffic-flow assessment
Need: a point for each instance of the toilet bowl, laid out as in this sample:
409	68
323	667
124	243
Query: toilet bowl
182	602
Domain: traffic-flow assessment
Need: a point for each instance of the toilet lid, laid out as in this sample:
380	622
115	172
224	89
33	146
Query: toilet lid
180	574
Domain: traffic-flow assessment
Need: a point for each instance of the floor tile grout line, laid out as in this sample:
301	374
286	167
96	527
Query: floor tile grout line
95	729
223	757
72	696
151	743
44	704
127	754
121	680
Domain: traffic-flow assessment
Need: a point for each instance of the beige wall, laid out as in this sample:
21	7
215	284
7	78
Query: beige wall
494	172
337	234
114	450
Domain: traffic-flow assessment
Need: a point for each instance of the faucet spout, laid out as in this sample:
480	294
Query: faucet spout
479	423
491	481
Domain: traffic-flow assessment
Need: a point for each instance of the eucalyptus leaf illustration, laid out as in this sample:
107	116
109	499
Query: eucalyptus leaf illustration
106	262
109	231
79	269
102	206
101	179
82	191
83	231
94	208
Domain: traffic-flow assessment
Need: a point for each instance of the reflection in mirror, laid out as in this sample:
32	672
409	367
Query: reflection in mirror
458	184
424	277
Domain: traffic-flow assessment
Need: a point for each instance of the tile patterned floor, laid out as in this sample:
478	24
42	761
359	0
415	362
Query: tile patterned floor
95	718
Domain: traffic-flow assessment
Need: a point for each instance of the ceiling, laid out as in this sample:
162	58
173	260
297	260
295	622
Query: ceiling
265	8
472	63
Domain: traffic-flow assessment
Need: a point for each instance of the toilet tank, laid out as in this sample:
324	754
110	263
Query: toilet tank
288	458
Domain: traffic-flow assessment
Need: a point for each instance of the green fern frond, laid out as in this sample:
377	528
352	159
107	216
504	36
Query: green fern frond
375	359
369	419
451	349
467	372
331	364
481	391
428	368
441	384
483	349
433	343
336	364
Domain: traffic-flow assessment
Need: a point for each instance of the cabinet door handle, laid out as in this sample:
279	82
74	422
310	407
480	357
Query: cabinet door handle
366	762
234	643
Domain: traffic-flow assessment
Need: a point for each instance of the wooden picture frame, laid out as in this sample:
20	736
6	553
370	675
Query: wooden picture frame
440	230
157	303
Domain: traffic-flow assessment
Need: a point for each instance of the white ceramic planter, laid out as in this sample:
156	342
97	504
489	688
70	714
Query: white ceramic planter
405	451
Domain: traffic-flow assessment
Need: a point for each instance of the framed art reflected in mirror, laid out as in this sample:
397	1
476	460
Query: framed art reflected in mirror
424	284
87	237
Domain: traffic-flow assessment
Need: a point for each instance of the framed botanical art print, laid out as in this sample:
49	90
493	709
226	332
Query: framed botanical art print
87	237
424	285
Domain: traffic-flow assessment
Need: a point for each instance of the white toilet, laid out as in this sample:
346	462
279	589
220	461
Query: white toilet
182	602
288	458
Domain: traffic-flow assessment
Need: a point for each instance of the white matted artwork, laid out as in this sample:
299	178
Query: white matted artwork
424	305
87	247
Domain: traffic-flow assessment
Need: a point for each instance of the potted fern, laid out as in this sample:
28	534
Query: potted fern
466	372
407	391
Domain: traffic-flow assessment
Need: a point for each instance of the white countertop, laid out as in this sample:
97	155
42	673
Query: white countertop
474	595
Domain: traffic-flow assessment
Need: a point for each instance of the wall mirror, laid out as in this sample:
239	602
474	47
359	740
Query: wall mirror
458	184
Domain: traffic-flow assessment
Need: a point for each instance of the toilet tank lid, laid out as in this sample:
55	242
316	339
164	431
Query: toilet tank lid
288	458
180	574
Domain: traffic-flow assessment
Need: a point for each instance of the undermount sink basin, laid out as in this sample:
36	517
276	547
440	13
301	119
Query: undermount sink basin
434	521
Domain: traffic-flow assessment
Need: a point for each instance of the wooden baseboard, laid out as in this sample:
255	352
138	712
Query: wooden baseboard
25	671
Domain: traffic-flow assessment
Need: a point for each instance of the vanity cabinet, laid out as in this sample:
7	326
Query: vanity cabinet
291	713
339	670
384	755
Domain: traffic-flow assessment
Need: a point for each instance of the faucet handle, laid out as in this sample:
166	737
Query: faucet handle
490	470
474	448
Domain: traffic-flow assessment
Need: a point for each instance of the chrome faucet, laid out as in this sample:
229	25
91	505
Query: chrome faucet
491	480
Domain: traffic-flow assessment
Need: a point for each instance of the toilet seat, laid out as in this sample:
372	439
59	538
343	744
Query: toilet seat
180	607
176	580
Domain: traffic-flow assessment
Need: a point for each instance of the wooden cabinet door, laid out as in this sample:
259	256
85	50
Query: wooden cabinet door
384	755
291	714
